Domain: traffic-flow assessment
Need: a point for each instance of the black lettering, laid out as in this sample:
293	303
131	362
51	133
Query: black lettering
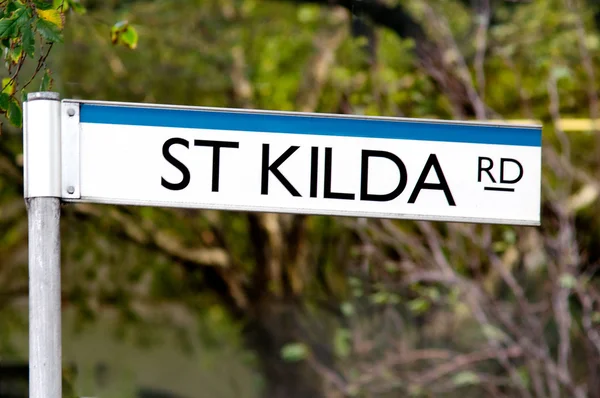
314	170
180	166
327	191
442	185
273	168
480	168
514	181
364	176
216	145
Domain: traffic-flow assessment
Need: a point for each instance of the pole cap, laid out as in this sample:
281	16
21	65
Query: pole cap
43	95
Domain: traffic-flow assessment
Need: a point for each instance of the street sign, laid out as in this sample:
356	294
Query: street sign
232	159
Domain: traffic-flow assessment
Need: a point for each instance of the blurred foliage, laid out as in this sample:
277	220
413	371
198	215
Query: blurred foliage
330	306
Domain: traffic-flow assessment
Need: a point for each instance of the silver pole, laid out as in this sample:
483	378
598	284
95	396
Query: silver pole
45	357
42	174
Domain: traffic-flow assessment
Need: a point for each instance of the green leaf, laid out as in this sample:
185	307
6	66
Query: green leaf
14	114
43	5
509	236
294	352
347	309
419	305
9	27
52	16
46	83
23	17
28	40
354	282
57	4
49	31
8	86
524	376
116	30
379	297
12	6
560	72
123	33
391	267
77	6
15	53
341	343
465	378
592	42
130	38
4	101
493	333
308	13
567	281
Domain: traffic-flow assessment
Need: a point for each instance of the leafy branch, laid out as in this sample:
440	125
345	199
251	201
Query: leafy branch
23	26
28	30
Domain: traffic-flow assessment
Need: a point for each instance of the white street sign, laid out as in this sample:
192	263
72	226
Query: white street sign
103	152
231	159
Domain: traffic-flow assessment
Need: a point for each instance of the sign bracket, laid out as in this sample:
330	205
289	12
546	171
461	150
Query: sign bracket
70	146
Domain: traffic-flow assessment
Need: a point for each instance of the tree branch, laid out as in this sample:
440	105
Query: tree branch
429	54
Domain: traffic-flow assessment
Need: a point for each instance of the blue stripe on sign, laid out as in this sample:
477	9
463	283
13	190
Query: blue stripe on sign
308	124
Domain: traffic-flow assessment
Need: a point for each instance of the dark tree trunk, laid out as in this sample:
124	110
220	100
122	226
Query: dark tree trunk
275	324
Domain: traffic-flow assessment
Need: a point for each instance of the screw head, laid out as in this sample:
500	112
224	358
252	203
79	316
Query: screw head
71	112
71	190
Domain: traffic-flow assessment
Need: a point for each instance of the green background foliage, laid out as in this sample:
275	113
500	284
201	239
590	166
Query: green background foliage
233	304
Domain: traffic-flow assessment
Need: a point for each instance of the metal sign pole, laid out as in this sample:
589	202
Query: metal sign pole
42	172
